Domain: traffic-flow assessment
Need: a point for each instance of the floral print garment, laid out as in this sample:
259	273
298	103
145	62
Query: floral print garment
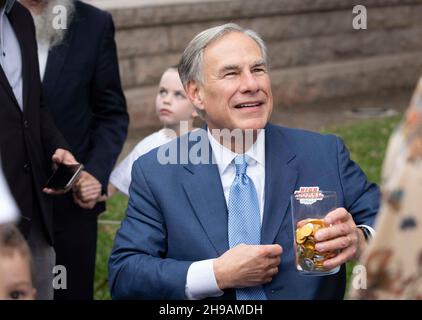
393	260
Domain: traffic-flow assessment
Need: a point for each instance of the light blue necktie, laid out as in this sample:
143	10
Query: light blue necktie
244	219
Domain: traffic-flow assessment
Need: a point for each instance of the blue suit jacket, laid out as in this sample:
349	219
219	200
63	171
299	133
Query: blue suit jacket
177	214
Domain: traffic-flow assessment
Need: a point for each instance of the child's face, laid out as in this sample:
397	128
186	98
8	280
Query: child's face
172	104
15	278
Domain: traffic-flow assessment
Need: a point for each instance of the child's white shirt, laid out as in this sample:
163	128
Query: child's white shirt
122	174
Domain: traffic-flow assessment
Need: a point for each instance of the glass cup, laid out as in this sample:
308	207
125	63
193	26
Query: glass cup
308	211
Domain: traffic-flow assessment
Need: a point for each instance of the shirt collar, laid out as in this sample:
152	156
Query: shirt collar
224	156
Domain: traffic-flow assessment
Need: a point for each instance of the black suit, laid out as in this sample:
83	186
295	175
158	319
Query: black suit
28	139
83	92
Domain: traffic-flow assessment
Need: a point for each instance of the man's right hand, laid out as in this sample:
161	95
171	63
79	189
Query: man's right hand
86	191
247	265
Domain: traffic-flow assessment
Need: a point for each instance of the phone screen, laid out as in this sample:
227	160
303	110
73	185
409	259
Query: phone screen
64	177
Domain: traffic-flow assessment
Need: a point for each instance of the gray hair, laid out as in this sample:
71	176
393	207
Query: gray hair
190	66
45	31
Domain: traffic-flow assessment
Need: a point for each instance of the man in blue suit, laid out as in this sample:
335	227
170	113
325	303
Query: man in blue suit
82	89
215	223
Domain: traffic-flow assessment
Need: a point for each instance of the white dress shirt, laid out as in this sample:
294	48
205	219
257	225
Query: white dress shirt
201	282
10	54
43	49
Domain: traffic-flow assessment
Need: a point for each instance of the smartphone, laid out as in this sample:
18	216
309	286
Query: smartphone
64	177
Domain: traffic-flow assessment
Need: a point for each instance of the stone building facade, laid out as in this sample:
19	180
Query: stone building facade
317	58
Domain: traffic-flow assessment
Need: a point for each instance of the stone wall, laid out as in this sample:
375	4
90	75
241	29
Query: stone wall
317	58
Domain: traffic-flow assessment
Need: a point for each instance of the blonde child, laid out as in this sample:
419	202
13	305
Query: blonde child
172	107
15	265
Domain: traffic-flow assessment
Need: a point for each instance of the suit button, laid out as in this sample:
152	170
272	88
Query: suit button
26	167
26	124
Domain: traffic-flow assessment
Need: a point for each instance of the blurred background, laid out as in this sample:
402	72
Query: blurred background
322	69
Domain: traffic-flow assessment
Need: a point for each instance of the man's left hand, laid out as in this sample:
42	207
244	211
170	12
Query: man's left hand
60	156
342	235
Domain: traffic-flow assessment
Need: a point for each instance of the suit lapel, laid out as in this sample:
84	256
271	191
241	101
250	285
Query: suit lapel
5	83
280	179
203	187
55	61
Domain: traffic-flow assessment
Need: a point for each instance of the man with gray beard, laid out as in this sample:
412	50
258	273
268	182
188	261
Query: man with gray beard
43	17
81	86
28	139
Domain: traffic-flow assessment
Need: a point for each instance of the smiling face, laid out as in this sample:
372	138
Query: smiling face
236	88
172	104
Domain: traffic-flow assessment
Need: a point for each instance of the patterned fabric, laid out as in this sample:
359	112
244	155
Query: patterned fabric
244	219
393	260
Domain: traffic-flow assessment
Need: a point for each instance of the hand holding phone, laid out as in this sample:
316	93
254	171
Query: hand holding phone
63	178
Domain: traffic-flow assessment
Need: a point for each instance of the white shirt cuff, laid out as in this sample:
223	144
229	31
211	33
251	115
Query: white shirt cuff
200	281
371	230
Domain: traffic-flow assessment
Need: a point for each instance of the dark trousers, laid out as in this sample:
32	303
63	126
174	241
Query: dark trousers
75	243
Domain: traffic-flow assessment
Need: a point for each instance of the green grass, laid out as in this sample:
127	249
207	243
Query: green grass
366	141
116	207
